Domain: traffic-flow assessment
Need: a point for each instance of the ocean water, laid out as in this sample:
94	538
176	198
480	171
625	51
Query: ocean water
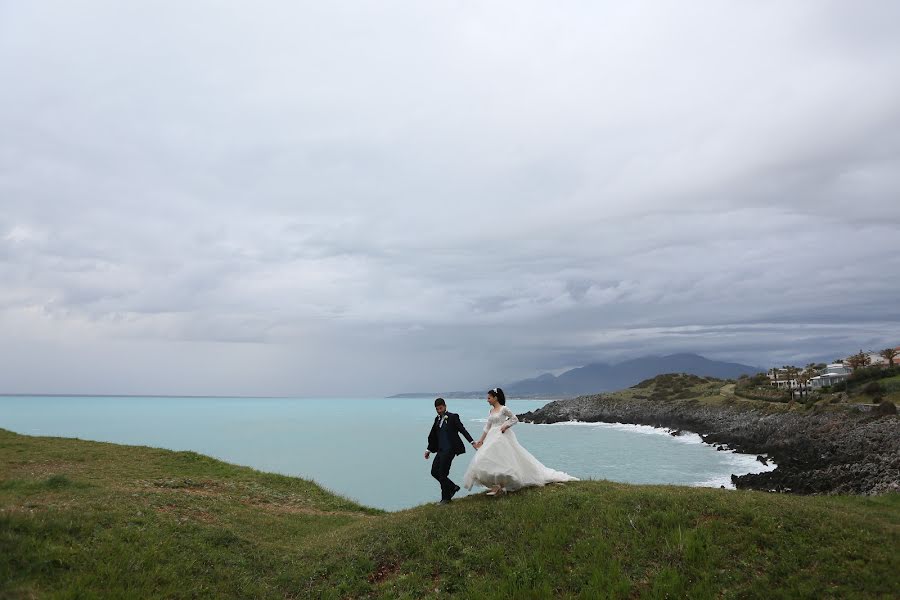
368	449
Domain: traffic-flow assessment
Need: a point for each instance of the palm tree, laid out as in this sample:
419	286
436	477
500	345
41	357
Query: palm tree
889	354
811	370
803	379
792	373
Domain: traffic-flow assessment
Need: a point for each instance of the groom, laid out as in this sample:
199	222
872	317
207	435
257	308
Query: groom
443	440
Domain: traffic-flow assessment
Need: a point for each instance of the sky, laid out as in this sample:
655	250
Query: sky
367	198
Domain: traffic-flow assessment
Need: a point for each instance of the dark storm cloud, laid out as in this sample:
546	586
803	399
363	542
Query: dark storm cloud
431	196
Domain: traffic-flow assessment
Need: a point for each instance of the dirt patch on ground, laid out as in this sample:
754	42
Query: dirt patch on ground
41	469
301	510
384	572
40	504
183	514
708	518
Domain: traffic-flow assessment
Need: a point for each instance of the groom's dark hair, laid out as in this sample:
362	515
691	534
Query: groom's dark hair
439	402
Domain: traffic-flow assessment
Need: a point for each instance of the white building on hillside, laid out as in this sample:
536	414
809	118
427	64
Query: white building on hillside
778	377
785	384
834	373
876	360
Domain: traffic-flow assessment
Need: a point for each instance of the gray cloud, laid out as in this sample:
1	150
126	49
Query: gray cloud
210	198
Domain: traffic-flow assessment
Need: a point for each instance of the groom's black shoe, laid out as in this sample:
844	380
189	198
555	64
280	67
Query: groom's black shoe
445	501
453	493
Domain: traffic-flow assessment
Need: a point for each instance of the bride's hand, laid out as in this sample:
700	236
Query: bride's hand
503	428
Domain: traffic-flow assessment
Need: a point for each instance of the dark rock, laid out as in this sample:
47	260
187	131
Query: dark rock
762	459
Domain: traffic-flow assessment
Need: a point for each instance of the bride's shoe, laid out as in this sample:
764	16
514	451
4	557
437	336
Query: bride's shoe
496	491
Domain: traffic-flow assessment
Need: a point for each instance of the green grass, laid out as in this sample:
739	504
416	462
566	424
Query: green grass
675	388
85	520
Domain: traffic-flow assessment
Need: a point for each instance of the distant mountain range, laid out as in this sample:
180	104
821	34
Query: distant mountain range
599	377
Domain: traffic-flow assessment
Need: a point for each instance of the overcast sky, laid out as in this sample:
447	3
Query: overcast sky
311	198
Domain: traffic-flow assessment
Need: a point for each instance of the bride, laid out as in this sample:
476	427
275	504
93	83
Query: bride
501	463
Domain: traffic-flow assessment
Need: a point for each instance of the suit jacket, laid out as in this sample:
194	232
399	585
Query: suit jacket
456	428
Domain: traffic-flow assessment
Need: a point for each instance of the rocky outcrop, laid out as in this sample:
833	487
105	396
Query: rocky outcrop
838	451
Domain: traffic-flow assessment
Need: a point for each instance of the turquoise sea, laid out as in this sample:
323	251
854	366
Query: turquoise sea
368	449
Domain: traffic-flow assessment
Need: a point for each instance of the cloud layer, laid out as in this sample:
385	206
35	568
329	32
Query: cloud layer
351	198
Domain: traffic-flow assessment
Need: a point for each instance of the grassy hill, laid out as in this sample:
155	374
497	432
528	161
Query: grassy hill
84	519
757	393
695	390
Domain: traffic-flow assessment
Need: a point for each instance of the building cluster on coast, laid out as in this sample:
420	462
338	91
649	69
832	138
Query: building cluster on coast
818	376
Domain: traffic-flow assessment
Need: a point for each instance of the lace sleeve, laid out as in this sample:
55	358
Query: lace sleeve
511	418
487	426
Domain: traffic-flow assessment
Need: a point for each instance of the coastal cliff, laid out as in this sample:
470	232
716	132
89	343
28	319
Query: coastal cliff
818	450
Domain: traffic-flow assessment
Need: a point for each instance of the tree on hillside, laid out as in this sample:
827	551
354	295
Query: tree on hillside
806	376
889	354
857	361
792	374
802	379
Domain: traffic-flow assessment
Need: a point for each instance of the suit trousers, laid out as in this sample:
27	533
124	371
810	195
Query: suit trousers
440	470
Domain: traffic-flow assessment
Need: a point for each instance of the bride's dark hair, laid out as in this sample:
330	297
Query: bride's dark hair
499	395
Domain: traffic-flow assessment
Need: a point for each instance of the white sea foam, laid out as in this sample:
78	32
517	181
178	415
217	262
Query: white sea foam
685	436
718	481
743	464
747	463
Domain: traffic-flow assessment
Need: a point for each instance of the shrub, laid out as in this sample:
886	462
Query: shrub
56	482
873	389
759	379
886	408
873	373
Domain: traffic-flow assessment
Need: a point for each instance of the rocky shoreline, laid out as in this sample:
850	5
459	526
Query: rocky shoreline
840	451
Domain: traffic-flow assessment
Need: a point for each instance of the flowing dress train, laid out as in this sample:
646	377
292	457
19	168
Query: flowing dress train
503	461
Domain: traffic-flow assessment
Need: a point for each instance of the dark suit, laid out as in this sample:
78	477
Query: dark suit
444	442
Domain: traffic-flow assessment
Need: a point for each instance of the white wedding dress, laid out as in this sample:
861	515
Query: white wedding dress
502	459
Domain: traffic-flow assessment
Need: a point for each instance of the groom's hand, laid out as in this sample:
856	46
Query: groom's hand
427	454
